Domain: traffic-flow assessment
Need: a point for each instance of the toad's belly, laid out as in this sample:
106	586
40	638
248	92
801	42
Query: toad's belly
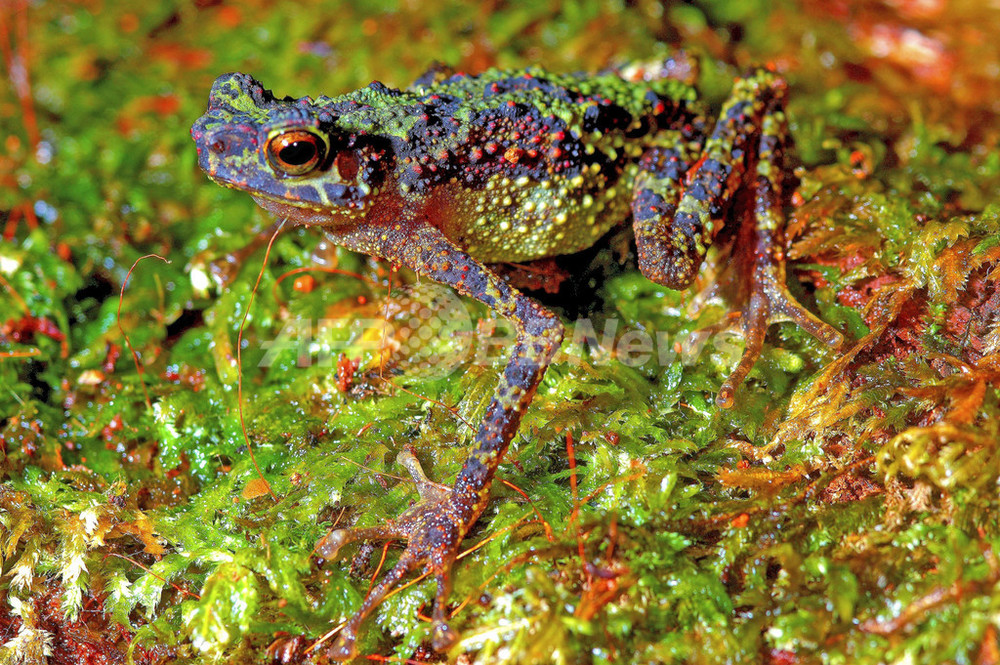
513	221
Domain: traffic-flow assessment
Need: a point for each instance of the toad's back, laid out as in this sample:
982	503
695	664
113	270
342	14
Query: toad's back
519	165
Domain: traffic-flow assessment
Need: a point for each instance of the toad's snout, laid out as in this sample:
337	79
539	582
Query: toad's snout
223	152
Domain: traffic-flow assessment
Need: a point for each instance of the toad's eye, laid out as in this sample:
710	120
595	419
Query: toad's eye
295	152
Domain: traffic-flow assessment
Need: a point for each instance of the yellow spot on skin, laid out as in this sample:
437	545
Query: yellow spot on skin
504	226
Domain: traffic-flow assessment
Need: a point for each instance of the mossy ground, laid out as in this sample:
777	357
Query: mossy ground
844	511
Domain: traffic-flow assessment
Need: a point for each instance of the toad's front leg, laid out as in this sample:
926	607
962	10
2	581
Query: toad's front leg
435	527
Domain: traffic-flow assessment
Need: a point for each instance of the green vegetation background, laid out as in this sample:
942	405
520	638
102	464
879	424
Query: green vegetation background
845	511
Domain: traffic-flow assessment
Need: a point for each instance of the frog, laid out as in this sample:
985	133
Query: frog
460	172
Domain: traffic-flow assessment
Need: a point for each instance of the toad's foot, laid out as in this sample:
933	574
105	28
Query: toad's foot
434	531
758	259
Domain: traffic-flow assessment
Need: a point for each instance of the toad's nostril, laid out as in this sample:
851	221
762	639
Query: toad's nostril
218	146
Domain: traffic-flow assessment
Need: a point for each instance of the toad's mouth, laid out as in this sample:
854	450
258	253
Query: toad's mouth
309	212
313	196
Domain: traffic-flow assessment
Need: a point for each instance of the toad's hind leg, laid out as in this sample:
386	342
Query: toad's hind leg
759	258
759	250
744	154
